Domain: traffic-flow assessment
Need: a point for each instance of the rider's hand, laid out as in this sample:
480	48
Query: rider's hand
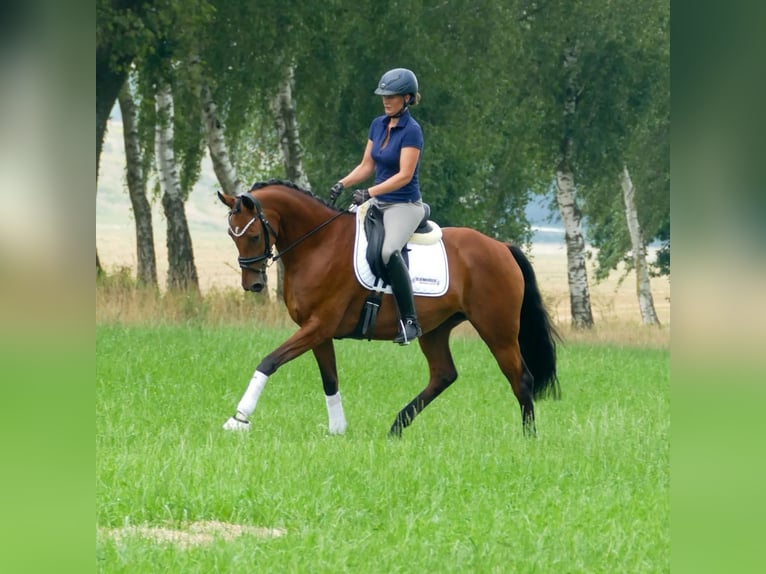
335	191
360	196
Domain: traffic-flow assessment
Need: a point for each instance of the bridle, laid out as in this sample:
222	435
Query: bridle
267	255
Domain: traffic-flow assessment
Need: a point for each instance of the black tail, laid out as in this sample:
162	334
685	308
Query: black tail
537	335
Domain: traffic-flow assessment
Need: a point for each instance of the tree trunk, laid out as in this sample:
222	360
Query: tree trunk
216	143
146	272
182	273
215	138
112	61
643	285
577	273
286	120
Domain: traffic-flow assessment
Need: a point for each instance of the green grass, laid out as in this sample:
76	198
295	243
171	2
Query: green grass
462	491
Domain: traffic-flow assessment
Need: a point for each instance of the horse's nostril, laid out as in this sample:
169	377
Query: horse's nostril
257	287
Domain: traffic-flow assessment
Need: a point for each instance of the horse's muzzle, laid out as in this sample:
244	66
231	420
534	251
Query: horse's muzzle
253	281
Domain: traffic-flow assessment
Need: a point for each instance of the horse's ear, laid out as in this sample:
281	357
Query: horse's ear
227	199
247	201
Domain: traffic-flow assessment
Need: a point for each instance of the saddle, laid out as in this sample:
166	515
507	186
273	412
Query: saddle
424	234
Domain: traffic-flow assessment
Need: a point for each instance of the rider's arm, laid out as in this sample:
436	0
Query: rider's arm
363	171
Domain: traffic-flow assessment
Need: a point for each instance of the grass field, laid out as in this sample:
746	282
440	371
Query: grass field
462	491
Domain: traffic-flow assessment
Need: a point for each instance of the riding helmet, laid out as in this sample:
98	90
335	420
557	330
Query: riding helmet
399	81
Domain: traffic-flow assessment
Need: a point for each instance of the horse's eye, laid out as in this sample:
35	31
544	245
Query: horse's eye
254	238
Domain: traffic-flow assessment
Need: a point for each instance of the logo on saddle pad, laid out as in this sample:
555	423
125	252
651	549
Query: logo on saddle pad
427	262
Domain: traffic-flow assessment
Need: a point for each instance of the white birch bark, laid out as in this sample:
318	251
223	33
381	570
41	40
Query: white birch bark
182	272
146	270
643	285
577	273
216	144
286	120
215	138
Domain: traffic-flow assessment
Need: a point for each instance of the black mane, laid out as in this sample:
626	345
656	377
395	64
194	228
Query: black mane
292	185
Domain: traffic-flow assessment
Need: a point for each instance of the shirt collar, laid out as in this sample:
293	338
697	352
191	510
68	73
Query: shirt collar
403	119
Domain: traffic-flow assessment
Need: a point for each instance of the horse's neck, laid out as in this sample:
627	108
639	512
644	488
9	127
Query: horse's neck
299	220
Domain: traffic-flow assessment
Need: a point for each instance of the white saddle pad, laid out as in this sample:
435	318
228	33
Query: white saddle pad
428	264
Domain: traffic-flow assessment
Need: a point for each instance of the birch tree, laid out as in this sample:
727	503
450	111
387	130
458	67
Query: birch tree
182	271
620	225
577	272
120	37
146	272
223	167
288	132
577	275
643	285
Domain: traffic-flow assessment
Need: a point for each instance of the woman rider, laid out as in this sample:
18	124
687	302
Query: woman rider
393	155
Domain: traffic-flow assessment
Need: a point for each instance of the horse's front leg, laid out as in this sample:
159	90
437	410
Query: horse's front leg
305	338
324	353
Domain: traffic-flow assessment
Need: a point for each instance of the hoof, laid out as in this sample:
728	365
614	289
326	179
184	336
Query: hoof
234	424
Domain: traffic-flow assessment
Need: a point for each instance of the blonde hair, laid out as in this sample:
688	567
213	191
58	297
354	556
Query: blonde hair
416	100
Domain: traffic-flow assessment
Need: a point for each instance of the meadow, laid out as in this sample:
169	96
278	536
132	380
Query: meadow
461	491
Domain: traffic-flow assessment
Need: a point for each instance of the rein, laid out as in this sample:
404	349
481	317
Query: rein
245	262
309	234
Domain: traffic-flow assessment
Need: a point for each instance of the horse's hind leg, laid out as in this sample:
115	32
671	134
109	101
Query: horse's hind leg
503	342
435	346
512	364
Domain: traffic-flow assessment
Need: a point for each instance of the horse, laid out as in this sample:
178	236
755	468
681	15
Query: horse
491	284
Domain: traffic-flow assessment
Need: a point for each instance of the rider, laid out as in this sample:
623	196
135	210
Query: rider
393	154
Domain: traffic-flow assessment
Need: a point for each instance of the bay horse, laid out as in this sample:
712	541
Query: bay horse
491	284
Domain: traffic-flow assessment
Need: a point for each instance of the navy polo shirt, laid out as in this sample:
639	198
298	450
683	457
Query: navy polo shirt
406	133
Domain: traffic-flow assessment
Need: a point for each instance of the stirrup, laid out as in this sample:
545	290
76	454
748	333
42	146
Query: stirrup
408	331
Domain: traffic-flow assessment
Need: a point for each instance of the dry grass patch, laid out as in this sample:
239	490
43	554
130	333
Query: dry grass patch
120	301
191	535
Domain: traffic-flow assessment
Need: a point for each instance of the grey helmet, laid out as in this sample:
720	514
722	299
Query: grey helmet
399	81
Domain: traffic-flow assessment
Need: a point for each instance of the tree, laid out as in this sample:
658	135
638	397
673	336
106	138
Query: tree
621	225
182	271
285	118
225	171
146	272
120	37
643	286
584	83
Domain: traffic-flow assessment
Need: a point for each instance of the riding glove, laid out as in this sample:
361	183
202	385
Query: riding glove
360	196
335	191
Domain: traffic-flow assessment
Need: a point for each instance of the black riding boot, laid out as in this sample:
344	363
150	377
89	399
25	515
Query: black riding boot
409	328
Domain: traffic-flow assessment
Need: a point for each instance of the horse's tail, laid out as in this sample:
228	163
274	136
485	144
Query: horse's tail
537	335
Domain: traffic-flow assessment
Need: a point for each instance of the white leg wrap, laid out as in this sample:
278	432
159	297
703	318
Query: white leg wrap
337	424
249	400
247	403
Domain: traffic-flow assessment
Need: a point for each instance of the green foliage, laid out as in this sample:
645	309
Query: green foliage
494	89
462	491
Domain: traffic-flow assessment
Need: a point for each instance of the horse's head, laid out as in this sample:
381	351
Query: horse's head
253	237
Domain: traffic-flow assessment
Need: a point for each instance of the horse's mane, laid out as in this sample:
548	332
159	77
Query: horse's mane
291	185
